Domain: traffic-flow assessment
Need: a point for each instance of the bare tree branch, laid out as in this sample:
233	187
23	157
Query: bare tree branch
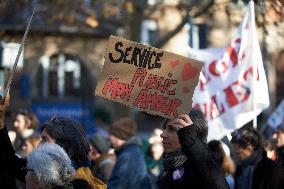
205	9
152	9
164	39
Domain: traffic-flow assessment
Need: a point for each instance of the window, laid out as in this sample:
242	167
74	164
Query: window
59	75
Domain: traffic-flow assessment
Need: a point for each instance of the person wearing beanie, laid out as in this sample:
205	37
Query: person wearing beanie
124	129
187	162
129	170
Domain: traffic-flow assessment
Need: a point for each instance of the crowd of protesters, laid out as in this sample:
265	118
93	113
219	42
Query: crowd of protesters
176	155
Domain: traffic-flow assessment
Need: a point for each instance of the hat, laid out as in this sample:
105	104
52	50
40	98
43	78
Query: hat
124	128
100	143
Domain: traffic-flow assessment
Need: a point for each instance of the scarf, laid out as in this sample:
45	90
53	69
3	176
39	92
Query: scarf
85	173
173	160
246	169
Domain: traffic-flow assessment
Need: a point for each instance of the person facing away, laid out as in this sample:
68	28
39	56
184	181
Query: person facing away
129	170
49	167
63	131
187	162
221	153
254	169
279	137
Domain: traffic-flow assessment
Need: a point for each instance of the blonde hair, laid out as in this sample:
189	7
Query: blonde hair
217	149
228	166
34	140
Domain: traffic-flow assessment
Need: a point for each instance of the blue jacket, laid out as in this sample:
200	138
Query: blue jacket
129	170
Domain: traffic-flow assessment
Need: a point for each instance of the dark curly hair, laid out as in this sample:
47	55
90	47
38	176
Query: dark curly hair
69	135
200	124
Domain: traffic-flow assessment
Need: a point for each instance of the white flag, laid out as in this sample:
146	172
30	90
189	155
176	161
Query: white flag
227	93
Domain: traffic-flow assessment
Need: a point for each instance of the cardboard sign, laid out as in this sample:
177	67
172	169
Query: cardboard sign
147	78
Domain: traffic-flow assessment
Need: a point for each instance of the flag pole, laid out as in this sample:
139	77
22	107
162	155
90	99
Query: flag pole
12	72
254	66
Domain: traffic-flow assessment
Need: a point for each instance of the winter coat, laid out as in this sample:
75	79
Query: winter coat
199	171
129	170
280	155
266	174
102	166
15	166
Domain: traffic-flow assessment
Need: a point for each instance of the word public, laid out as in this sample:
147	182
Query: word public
155	94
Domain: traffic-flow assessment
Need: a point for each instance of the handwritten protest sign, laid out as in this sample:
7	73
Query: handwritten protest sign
147	78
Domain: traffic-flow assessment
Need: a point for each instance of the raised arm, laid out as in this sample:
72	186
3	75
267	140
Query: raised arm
196	151
9	161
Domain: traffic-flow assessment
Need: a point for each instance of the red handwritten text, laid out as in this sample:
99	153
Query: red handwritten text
157	103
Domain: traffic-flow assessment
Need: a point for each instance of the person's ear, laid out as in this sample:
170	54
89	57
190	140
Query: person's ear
250	148
28	123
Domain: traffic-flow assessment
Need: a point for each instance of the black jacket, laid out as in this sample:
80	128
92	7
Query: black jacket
267	174
280	155
13	165
200	171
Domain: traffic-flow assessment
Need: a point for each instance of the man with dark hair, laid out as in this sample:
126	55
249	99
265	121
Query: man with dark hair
187	162
24	126
254	169
279	137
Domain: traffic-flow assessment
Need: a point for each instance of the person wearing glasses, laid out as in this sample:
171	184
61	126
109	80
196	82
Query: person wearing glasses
49	167
187	162
63	131
254	169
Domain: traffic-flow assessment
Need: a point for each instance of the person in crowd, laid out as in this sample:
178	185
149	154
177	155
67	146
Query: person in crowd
63	131
187	162
129	170
102	160
30	143
254	169
270	148
24	125
153	153
279	137
49	167
221	153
